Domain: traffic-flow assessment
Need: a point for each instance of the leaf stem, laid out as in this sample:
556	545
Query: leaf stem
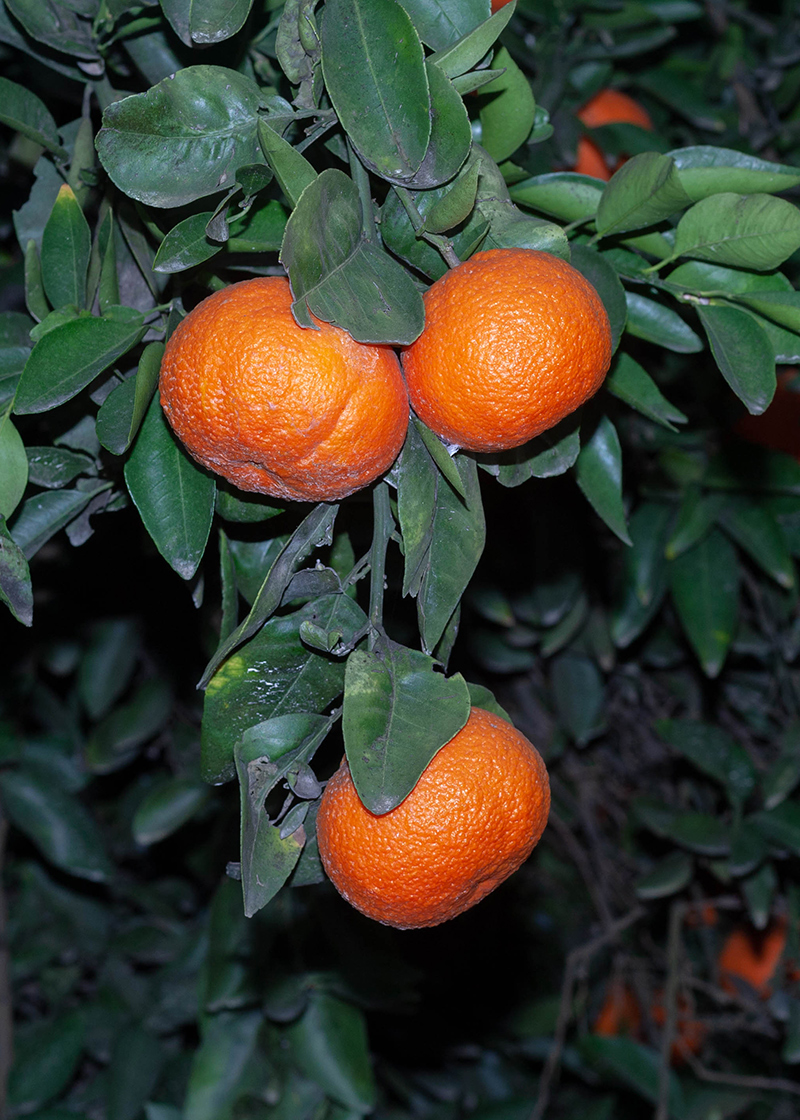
383	528
443	244
361	179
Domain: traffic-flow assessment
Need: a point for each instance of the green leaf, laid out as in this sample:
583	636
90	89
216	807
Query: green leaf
22	110
472	46
746	231
442	24
13	467
742	352
55	467
598	471
562	194
714	752
781	779
220	1063
292	170
705	589
184	138
631	383
69	357
579	694
759	893
265	755
755	529
274	674
66	247
704	170
643	581
207	21
61	28
700	832
341	276
46	1056
451	134
15	578
548	455
56	822
329	1043
748	848
106	666
137	1058
645	190
123	410
187	244
604	279
654	322
781	825
696	515
40	517
507	109
374	70
635	1065
398	712
669	876
315	529
174	497
120	735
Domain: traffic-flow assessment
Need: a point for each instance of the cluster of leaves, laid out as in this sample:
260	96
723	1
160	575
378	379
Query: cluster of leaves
363	147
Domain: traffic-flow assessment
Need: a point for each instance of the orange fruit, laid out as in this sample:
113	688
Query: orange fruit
608	106
514	341
779	426
310	415
690	1033
620	1013
752	955
473	817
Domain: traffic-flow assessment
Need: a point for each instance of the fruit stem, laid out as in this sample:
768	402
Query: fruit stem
444	246
382	531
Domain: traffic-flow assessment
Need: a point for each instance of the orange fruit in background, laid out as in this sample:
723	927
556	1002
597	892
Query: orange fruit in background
310	415
752	955
690	1033
778	427
514	341
620	1013
608	106
473	817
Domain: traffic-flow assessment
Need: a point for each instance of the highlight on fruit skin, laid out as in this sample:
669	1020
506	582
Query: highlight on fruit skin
473	818
514	341
297	413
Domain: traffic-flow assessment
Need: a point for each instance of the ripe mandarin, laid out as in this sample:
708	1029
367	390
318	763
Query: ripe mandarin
608	106
514	341
473	817
310	415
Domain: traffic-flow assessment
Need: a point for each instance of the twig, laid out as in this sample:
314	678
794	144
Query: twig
576	961
382	531
443	244
742	1080
676	916
582	862
6	1014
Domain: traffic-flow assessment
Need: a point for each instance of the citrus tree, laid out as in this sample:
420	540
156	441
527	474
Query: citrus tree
619	581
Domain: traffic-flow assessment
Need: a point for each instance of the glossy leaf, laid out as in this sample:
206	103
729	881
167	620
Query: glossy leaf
579	694
69	357
174	497
714	752
644	191
66	246
507	109
643	581
561	194
472	46
781	825
187	244
292	170
55	467
341	276
40	517
166	808
219	1064
635	1065
742	352
13	467
398	712
16	590
442	24
548	455
705	589
598	471
56	822
705	170
329	1043
314	530
184	138
204	22
451	134
757	532
669	876
655	322
22	111
47	1053
747	231
123	410
274	674
604	279
374	70
631	383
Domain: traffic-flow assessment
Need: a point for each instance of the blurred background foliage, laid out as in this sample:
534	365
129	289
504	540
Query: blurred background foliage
646	961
